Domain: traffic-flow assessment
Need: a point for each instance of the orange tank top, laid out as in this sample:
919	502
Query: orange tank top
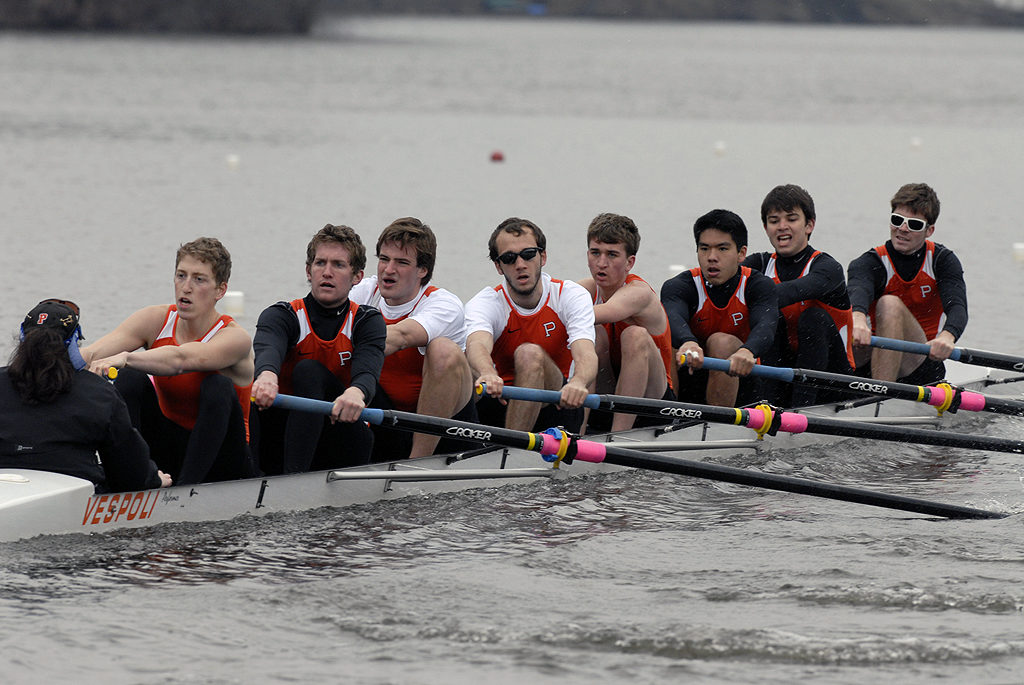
333	354
843	318
402	374
733	318
920	294
543	328
614	330
178	395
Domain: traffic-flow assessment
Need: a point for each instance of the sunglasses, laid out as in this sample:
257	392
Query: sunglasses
511	257
912	224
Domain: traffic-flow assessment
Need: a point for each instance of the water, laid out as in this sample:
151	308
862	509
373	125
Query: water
115	150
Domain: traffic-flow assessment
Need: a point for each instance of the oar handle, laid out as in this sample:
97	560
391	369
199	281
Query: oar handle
908	346
510	392
370	415
774	372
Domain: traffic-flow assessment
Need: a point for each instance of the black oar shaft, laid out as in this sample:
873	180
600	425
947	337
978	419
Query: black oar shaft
801	486
904	391
939	397
597	452
788	422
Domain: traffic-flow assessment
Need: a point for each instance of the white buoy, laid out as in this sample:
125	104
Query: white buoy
233	303
232	160
1018	252
719	147
916	143
678	268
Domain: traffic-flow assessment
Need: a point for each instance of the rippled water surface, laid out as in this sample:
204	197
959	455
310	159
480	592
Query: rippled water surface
115	150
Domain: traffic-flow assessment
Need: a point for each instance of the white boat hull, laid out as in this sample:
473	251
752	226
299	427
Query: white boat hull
42	503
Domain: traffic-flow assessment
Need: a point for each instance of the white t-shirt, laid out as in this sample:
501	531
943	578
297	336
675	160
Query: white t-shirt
489	309
440	312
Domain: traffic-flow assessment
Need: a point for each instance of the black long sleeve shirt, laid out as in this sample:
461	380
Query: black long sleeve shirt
824	282
277	331
679	297
866	279
65	435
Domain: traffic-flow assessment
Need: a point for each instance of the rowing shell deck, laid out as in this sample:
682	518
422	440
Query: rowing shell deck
42	503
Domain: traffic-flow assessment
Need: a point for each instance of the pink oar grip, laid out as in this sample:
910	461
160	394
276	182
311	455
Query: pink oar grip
549	444
972	401
585	450
936	395
590	451
755	419
793	423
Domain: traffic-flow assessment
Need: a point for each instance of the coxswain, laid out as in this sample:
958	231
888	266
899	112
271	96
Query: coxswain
56	416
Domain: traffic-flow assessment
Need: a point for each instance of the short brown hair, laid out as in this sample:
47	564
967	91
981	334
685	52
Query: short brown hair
209	251
615	228
515	226
785	199
411	231
920	198
344	236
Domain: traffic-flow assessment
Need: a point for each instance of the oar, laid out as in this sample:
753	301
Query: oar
765	419
942	398
566	448
960	354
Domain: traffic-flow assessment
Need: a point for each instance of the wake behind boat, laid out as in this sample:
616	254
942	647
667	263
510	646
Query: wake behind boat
42	503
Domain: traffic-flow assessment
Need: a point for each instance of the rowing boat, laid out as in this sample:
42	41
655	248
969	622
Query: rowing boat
42	503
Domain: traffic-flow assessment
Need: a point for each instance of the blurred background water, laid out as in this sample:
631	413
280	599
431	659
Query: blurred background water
117	149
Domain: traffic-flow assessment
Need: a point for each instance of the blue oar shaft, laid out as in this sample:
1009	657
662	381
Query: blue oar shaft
965	355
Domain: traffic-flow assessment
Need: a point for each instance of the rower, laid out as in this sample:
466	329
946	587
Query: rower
185	371
56	416
325	347
633	339
532	331
425	368
815	322
911	289
720	309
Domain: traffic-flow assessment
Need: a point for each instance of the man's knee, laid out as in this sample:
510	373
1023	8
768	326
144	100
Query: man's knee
132	383
722	345
445	356
216	390
310	378
889	306
814	322
529	356
636	340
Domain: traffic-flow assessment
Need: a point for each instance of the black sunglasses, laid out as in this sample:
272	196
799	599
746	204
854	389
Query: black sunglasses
511	257
912	224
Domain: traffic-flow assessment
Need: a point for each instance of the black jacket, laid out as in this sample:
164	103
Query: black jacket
65	435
